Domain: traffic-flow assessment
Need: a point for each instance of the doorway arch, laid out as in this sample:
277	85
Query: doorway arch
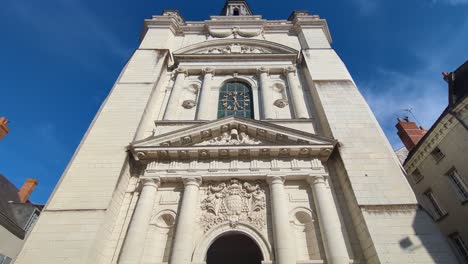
219	231
234	248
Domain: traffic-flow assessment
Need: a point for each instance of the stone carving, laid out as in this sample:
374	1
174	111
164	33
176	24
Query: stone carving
232	138
281	103
235	49
189	104
236	31
233	202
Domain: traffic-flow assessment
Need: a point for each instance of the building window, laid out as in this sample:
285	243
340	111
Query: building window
236	12
235	99
458	184
437	154
4	259
438	211
460	246
417	176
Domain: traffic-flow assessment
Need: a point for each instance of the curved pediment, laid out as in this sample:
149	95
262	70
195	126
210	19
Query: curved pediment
236	47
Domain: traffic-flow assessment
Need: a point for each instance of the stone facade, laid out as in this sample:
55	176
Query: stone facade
238	126
437	168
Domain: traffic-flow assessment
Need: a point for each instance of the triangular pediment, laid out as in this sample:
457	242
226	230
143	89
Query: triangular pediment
232	136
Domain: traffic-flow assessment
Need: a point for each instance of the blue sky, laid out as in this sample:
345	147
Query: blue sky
59	59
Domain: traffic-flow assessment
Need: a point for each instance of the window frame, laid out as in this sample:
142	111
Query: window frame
417	179
248	92
437	209
437	154
458	184
460	247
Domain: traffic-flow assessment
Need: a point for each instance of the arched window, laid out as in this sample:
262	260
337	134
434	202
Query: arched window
235	12
235	99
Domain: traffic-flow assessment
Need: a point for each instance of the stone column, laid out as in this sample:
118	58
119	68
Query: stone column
173	105
132	250
298	100
329	221
204	104
284	245
183	238
267	98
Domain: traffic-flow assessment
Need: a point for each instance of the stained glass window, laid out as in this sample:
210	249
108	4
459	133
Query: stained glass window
235	99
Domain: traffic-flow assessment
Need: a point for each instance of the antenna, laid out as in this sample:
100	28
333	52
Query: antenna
410	110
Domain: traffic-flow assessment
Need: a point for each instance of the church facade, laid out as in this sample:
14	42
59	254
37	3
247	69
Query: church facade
234	140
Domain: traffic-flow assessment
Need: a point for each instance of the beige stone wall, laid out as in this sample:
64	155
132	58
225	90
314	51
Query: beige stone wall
10	245
368	171
453	144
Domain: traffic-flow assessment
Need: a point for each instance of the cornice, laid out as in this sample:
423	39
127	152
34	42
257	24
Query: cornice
11	226
435	135
177	24
208	141
303	20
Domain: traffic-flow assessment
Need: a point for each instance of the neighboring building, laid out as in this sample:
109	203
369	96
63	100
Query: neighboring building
17	216
437	163
3	127
250	143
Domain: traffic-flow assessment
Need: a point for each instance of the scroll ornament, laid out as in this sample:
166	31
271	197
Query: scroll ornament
236	31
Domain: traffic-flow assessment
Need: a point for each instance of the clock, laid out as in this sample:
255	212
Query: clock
235	101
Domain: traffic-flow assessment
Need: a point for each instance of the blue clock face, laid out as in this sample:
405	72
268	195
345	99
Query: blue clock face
235	99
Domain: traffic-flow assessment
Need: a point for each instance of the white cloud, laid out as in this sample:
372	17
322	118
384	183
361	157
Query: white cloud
451	2
367	7
389	93
422	89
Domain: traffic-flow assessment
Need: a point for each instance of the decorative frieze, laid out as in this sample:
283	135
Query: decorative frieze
235	48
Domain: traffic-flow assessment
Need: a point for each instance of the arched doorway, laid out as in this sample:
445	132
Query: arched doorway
234	249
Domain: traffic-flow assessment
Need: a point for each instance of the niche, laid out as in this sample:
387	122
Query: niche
307	236
160	237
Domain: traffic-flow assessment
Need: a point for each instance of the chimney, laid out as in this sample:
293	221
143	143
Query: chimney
3	127
26	190
409	132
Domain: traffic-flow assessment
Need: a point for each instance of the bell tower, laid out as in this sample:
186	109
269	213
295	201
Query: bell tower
240	133
236	8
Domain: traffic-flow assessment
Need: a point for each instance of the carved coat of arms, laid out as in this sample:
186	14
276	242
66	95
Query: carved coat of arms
233	202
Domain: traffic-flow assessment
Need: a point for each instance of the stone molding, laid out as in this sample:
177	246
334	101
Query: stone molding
208	238
192	181
275	179
261	140
318	179
154	182
391	208
246	26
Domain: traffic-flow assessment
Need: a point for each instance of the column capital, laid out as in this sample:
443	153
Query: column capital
263	70
155	182
196	181
181	71
208	70
275	179
289	69
320	179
